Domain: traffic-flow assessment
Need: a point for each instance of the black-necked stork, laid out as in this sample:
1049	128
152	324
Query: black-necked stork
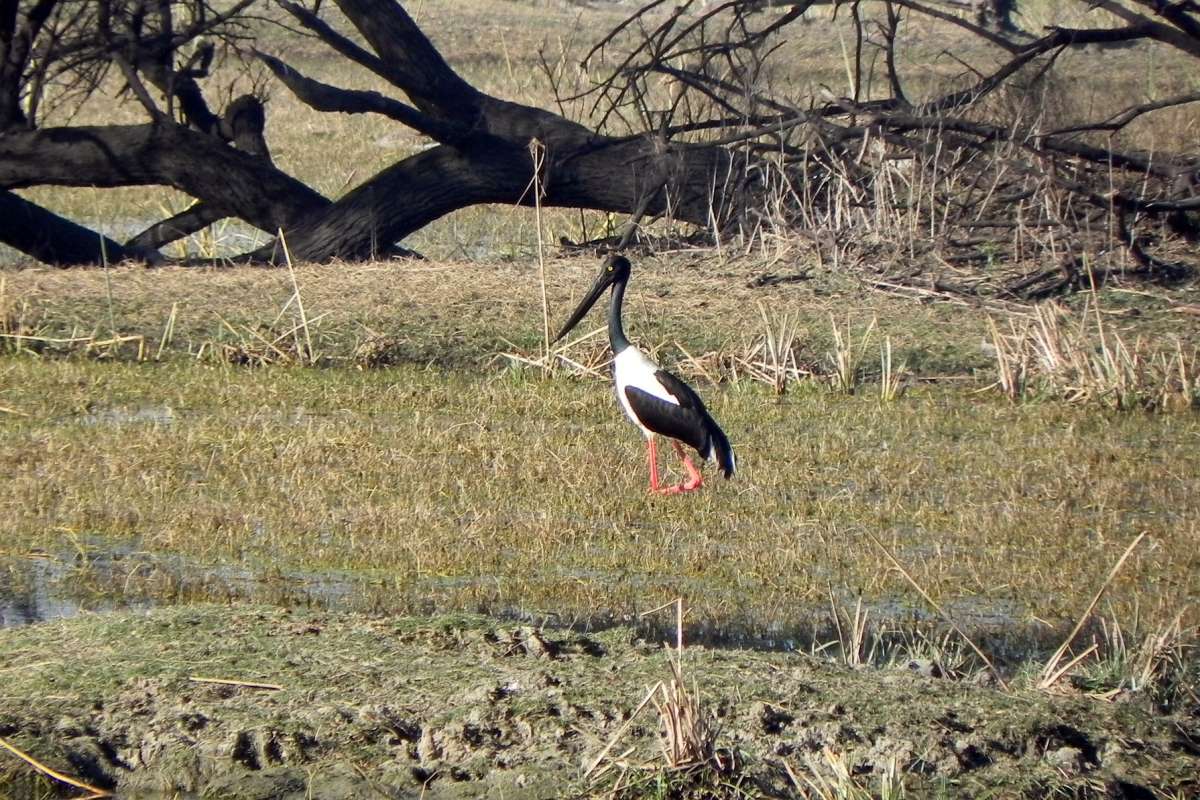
654	399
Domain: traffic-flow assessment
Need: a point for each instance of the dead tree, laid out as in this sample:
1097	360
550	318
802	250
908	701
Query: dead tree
683	126
56	53
976	176
486	147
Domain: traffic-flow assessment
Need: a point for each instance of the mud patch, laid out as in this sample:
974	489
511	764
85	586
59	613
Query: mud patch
467	707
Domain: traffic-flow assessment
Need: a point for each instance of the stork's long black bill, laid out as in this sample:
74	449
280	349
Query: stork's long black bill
585	305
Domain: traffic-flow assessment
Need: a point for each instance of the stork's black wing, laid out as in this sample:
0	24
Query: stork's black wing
689	422
686	394
677	421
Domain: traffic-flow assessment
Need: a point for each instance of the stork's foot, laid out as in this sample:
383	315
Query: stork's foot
690	485
694	479
693	482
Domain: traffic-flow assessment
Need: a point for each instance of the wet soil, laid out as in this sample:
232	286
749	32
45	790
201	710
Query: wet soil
470	707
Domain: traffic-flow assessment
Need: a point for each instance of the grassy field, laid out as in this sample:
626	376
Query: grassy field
381	438
394	457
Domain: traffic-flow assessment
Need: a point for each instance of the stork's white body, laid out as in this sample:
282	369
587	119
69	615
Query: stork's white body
631	367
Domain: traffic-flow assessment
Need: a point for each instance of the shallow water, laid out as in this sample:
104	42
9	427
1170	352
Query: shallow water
41	587
122	415
102	577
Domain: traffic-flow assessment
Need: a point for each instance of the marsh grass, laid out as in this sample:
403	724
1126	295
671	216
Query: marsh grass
1079	357
831	777
1158	663
846	357
443	478
452	491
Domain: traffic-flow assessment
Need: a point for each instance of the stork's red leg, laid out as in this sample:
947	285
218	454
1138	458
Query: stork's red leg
655	488
694	479
652	452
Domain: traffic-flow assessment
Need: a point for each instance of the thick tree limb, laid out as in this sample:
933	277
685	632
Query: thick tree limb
342	45
237	183
58	241
409	195
179	226
414	64
485	155
323	97
1178	14
1167	34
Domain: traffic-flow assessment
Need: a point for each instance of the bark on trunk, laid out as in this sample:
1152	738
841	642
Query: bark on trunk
55	240
236	183
486	153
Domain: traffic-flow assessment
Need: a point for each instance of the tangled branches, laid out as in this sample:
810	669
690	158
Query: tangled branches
953	147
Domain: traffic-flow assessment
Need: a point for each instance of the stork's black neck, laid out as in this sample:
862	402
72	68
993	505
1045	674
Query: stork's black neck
616	334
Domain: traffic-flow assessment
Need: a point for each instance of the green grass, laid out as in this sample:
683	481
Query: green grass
449	478
463	490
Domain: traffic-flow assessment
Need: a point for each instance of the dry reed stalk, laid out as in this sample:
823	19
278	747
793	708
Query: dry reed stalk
687	738
621	731
1010	366
93	792
891	379
1157	647
852	643
168	331
845	358
779	336
537	152
119	340
1051	672
696	364
941	612
25	337
307	353
1065	668
274	687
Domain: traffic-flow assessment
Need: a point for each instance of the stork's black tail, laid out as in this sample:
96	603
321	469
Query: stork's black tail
719	450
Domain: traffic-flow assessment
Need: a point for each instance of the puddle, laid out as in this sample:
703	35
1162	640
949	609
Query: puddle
153	415
101	577
41	587
36	589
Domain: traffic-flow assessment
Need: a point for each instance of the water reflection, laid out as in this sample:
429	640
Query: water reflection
101	576
40	586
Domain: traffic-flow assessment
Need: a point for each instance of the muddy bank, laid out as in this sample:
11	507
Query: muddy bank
466	707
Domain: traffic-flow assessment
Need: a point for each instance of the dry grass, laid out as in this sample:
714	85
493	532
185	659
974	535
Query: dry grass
1158	663
831	777
1080	358
1055	669
690	762
441	482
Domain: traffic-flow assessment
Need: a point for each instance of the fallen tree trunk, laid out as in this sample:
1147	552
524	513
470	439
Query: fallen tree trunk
489	150
55	240
164	153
